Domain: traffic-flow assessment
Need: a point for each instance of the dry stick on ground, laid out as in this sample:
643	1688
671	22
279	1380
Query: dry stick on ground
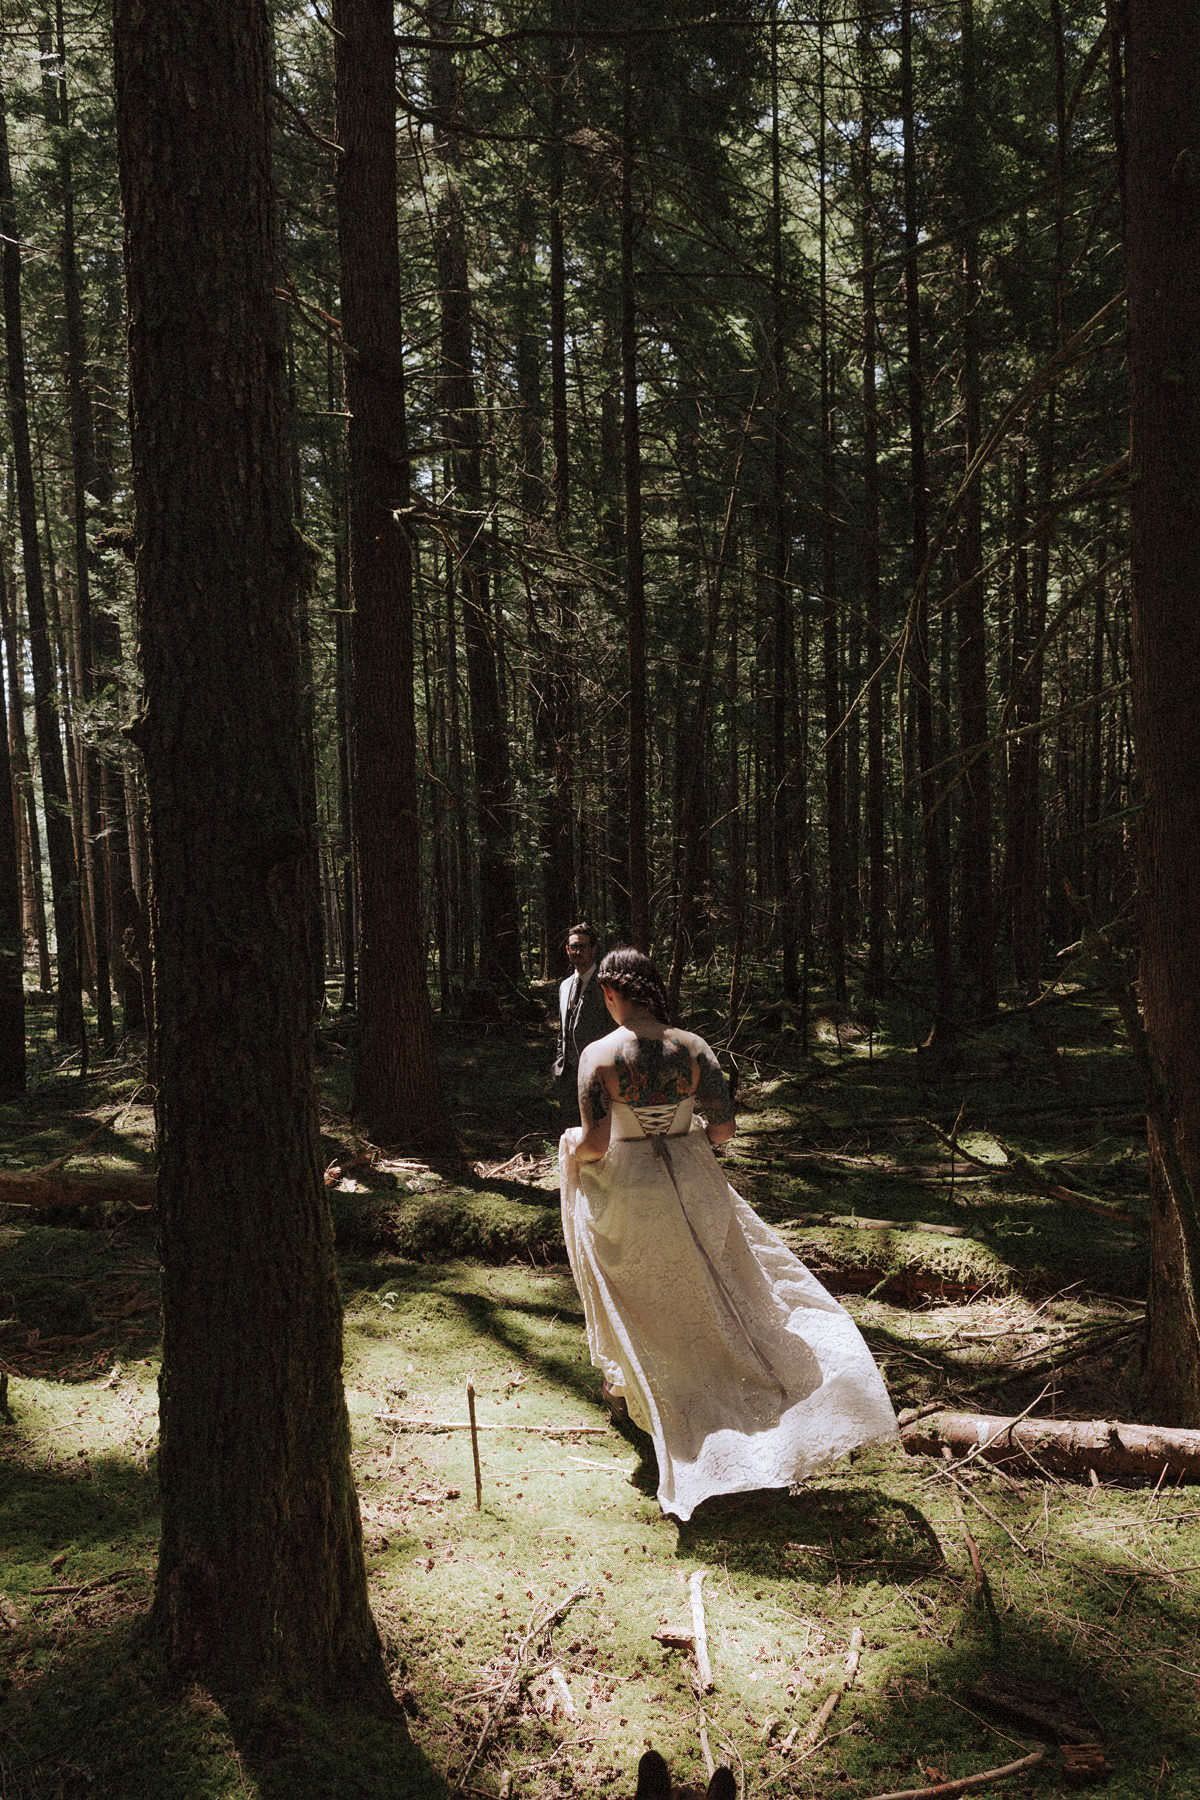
965	1782
545	1624
562	1431
558	1682
987	1512
828	1707
1027	1171
704	1674
475	1446
854	1222
1050	1365
981	1580
88	1587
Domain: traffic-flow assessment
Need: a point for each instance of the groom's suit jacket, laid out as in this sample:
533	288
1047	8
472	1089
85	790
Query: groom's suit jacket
582	1018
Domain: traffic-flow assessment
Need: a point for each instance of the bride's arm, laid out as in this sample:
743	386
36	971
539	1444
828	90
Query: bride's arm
595	1108
713	1097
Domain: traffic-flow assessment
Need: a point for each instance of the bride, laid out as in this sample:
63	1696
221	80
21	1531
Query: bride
725	1349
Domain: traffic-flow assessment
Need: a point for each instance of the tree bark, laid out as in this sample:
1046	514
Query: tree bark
1163	260
397	1088
261	1584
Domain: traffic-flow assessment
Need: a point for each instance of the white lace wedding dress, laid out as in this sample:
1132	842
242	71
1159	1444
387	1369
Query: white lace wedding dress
729	1353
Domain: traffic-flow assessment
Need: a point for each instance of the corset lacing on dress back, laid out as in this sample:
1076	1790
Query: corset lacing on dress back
671	1119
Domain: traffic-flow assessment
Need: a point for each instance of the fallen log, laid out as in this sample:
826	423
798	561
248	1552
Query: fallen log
1077	1448
854	1222
56	1188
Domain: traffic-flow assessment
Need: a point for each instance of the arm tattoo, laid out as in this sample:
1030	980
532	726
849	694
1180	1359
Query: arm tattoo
594	1102
712	1092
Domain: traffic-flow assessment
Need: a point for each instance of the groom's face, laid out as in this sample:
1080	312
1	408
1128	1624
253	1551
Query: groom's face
581	951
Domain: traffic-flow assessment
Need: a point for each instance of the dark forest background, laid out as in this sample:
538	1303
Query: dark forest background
732	474
765	418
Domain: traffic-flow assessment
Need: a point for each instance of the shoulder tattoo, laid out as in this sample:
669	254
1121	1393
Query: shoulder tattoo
712	1091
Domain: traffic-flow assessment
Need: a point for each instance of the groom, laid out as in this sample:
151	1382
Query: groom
582	1017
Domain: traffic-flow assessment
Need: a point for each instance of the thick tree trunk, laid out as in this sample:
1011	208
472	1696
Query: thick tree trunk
397	1090
1163	255
261	1583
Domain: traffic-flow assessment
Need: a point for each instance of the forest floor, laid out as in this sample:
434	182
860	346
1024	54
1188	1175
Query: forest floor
898	1624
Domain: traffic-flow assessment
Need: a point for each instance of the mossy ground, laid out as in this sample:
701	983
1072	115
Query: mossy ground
520	1632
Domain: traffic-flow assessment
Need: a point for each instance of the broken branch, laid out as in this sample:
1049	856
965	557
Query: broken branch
704	1674
562	1431
829	1705
966	1782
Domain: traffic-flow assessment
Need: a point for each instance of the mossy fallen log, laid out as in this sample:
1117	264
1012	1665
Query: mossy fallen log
51	1189
1078	1448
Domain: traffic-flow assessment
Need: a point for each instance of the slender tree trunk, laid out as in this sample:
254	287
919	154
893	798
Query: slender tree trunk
635	576
397	1089
60	847
29	830
835	741
12	948
977	925
1163	259
876	847
261	1584
94	838
560	887
499	941
787	782
937	887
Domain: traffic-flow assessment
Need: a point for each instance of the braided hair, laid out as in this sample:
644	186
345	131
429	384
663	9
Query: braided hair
635	977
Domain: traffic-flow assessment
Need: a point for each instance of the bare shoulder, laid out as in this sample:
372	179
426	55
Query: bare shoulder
601	1053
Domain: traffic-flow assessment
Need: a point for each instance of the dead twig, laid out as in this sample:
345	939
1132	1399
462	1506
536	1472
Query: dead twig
76	1588
560	1431
538	1631
966	1782
820	1719
475	1446
704	1674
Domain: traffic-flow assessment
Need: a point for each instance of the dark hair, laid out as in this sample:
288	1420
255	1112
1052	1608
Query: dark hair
583	927
636	977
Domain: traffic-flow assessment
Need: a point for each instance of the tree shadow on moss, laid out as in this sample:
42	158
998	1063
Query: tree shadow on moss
103	1719
832	1533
